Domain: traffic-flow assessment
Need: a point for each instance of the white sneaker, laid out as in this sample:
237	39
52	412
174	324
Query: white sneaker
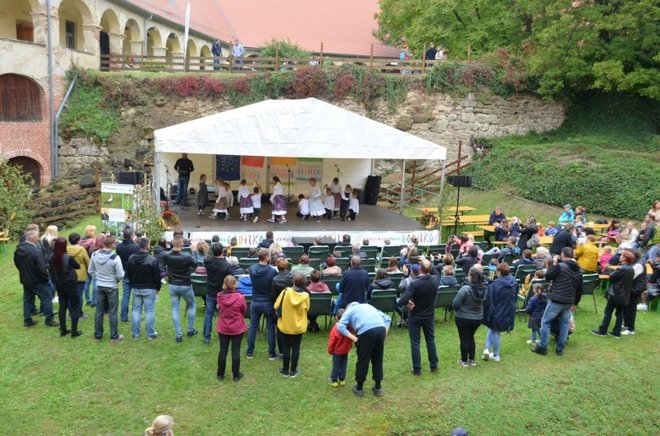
270	220
283	221
486	355
642	307
529	341
627	333
494	358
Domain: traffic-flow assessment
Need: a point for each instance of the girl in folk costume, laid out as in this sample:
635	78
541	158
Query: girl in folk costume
256	201
316	208
278	202
328	202
335	188
244	201
221	204
202	195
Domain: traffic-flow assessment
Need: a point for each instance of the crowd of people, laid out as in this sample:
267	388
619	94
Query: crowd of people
90	268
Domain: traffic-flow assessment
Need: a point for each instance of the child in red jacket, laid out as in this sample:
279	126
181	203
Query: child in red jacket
339	346
231	326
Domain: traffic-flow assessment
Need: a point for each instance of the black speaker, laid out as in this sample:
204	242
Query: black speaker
460	181
372	189
131	178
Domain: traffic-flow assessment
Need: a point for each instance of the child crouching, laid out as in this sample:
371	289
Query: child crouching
339	346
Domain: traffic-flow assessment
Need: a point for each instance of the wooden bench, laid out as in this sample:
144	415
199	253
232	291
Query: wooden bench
474	233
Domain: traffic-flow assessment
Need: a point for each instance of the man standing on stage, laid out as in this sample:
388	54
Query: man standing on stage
184	167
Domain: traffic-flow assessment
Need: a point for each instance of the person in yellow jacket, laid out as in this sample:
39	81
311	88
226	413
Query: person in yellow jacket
291	307
587	255
79	254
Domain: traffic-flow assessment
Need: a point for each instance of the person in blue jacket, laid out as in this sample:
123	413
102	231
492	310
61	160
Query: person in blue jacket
499	310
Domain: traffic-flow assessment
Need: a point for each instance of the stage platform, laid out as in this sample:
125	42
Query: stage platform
373	222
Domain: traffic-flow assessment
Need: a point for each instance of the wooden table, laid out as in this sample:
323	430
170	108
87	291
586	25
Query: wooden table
487	228
448	210
597	226
545	240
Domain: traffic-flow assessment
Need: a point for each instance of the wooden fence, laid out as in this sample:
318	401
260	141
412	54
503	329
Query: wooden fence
69	204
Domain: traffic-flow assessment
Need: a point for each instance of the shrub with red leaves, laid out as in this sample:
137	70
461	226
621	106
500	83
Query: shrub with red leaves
309	82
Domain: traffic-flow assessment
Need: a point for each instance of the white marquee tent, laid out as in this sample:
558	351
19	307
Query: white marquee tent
307	128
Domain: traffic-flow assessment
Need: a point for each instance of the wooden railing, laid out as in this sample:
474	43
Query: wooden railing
120	62
69	204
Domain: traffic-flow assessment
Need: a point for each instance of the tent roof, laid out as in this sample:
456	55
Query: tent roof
294	128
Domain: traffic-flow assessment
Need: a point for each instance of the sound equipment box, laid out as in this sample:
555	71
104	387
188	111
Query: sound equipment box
460	181
371	190
131	178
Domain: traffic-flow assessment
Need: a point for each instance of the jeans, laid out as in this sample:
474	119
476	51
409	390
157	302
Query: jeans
339	363
235	354
257	309
535	333
493	340
176	293
146	298
80	288
69	300
211	309
107	299
290	351
415	325
618	310
90	290
125	298
29	294
552	311
182	190
370	348
631	311
466	330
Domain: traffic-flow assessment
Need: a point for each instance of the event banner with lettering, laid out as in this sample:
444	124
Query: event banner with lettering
306	168
116	202
252	168
280	167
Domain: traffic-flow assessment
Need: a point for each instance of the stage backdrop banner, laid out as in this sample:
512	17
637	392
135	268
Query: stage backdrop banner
308	168
279	167
253	161
227	167
252	168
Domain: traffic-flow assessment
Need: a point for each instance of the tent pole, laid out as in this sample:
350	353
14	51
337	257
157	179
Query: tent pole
403	185
442	189
156	179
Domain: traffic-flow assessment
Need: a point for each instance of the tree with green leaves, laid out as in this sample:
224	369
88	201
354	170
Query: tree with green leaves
565	45
286	49
14	195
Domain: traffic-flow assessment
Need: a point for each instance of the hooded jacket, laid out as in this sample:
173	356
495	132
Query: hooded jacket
294	303
621	282
143	271
566	279
262	280
105	267
500	307
281	281
64	278
179	266
380	284
232	308
217	268
536	305
80	255
31	264
469	302
587	256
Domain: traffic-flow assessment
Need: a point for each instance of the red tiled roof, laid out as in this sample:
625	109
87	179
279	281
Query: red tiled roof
344	26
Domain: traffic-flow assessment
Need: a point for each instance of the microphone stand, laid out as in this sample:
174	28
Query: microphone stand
288	180
339	173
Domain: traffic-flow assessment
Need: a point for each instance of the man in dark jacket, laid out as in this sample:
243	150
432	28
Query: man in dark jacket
562	239
184	167
179	267
566	277
124	250
420	299
354	283
266	243
33	272
261	276
217	268
143	273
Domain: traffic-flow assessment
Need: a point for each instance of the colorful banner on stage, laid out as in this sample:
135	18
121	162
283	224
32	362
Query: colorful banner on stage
280	166
302	169
307	168
253	161
252	168
227	167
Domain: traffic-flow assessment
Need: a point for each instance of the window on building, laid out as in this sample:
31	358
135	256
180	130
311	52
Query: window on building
70	31
20	99
24	31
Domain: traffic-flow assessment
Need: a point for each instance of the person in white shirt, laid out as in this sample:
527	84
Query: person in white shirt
316	208
303	207
245	201
220	208
353	206
256	201
328	202
335	188
278	201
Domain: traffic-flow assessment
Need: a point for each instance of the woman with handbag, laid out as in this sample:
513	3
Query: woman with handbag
618	296
292	306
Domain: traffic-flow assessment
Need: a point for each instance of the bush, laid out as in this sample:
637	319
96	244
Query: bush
309	82
14	195
89	113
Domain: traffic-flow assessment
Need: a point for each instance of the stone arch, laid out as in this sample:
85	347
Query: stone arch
173	44
110	21
154	40
29	166
74	16
205	57
20	99
16	20
191	49
132	38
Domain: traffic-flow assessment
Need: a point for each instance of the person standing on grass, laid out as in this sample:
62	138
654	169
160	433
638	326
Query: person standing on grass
563	238
420	298
261	276
217	269
179	267
63	273
354	283
566	277
127	248
338	346
370	327
80	255
618	295
469	310
231	326
143	272
292	306
162	426
499	310
638	287
184	167
105	267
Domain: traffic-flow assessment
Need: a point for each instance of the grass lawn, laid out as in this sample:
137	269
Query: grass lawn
65	386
